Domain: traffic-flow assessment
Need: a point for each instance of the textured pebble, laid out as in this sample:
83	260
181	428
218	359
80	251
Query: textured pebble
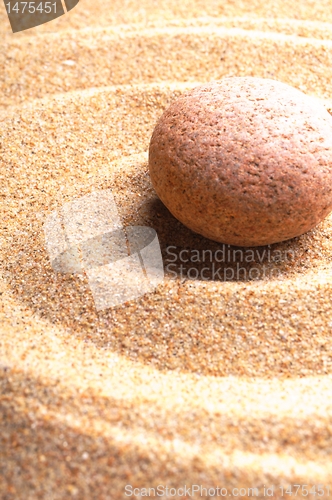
244	161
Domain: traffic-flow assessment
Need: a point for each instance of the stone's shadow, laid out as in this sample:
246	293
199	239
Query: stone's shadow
209	326
188	255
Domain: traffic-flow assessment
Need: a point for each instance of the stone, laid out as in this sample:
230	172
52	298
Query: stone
244	161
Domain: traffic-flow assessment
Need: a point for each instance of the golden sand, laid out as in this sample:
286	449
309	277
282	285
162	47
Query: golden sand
214	383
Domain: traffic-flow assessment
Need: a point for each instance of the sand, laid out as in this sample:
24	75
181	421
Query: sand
215	382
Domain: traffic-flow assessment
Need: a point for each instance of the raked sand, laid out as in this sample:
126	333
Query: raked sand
218	383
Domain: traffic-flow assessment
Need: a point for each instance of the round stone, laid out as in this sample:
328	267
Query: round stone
244	161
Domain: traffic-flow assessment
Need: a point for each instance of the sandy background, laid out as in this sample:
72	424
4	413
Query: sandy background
201	382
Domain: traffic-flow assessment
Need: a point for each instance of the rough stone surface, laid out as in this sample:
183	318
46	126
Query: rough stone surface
244	161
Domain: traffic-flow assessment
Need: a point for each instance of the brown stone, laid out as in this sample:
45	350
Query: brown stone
244	161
